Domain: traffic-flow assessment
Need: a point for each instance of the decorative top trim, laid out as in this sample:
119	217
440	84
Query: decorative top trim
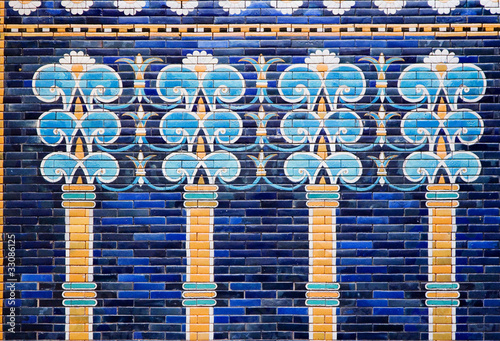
278	30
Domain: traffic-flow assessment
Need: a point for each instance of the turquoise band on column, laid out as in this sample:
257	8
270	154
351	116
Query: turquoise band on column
441	195
322	302
322	286
323	195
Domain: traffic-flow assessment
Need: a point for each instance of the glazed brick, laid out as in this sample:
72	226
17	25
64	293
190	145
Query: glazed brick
260	231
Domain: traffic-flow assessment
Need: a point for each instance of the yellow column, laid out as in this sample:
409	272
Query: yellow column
79	290
199	289
322	289
442	290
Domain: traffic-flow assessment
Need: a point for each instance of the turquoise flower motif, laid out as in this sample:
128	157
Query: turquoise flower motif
463	165
56	126
59	165
221	164
344	165
77	75
442	74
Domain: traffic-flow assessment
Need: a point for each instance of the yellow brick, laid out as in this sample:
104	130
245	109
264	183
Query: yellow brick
444	212
318	336
200	278
442	336
441	253
323	327
79	336
318	319
323	228
322	278
203	336
78	212
202	236
318	220
200	311
199	245
78	261
325	212
443	245
442	319
444	278
79	253
80	221
322	245
200	261
199	327
443	261
322	261
442	220
318	270
79	236
441	236
322	311
442	269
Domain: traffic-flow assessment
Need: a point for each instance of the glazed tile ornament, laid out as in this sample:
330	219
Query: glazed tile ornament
77	7
75	76
234	6
182	7
492	5
444	6
130	7
322	60
390	6
25	7
286	6
338	7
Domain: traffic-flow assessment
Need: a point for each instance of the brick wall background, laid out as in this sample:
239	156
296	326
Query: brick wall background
251	170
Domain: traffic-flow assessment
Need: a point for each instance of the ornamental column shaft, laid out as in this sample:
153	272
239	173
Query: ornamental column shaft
199	289
442	290
322	289
79	290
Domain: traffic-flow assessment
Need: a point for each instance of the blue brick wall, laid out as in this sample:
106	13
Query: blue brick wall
261	226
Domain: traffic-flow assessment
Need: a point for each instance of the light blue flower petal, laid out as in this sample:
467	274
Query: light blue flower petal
176	83
420	164
224	83
418	82
222	164
52	82
102	125
101	83
344	165
55	125
297	126
346	81
224	125
301	165
57	165
466	125
101	165
177	166
298	83
419	125
465	165
179	124
345	124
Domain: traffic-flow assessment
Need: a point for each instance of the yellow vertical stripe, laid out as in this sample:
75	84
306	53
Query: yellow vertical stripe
199	253
79	269
442	269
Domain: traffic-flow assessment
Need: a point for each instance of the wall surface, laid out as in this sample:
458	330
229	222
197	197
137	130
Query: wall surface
250	170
